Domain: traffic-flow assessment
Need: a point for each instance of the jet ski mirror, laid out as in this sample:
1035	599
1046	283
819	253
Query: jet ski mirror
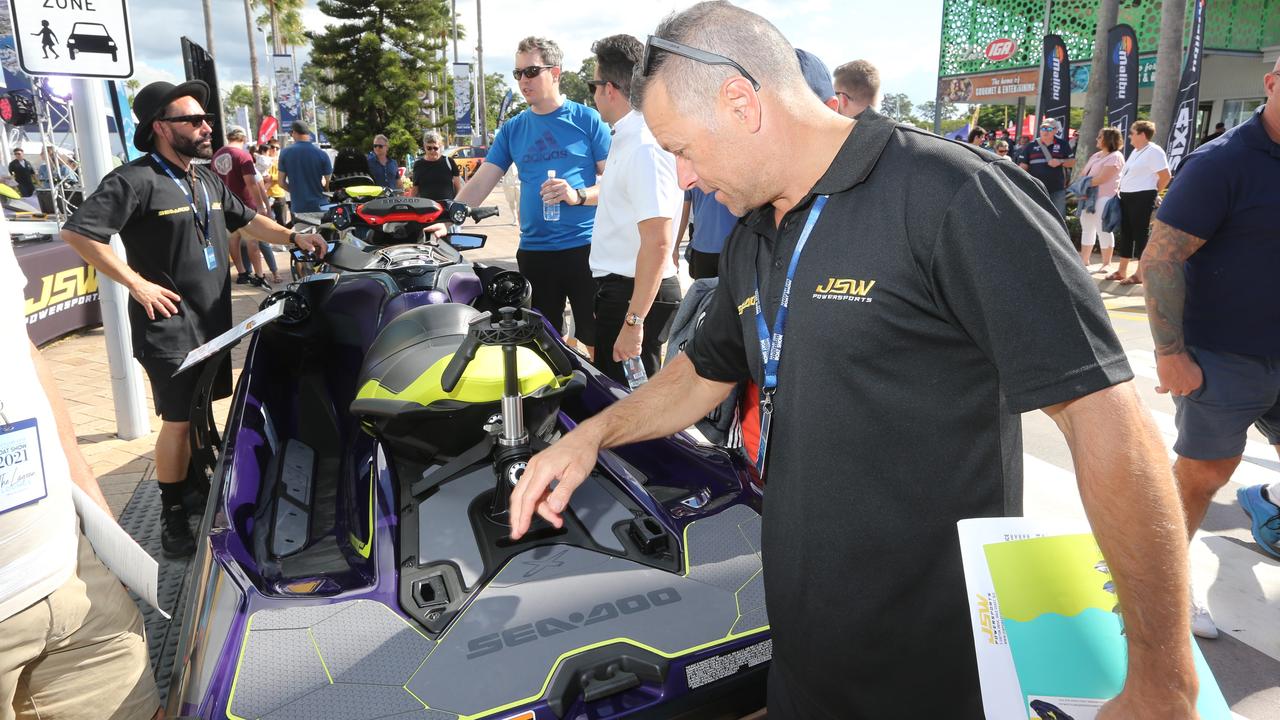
466	241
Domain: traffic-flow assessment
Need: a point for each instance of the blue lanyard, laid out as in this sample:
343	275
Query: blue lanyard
195	211
771	344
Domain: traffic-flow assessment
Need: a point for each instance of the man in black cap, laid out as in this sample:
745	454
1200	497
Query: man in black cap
173	217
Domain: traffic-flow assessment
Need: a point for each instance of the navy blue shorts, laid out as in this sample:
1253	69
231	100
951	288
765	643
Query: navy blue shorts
1238	391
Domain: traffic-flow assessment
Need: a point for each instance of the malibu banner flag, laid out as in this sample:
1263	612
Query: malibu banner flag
1122	81
1055	85
1182	131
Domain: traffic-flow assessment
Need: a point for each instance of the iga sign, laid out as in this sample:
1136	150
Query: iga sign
1001	49
79	38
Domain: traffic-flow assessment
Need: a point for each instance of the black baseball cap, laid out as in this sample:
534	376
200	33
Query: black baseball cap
151	101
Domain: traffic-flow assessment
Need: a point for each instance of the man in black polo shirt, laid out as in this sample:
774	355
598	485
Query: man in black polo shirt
173	216
1047	159
932	296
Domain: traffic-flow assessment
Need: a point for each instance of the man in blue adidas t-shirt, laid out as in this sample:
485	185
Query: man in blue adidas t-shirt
560	135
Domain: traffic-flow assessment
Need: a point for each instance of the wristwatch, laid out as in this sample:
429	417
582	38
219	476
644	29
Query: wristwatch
582	196
293	238
634	319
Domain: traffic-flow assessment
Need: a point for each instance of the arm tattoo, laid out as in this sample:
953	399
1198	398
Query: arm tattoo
1166	285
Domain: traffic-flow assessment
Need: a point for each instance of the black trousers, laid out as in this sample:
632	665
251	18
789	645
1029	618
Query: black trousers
613	296
703	265
1135	223
557	276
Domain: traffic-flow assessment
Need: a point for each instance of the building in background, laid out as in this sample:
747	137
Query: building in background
991	52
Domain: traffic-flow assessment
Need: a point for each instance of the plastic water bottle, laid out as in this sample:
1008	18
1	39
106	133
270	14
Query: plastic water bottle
551	211
633	368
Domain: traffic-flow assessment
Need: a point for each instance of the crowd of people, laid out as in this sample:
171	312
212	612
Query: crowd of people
880	251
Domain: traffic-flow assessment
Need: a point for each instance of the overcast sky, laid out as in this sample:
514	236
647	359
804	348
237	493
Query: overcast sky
900	37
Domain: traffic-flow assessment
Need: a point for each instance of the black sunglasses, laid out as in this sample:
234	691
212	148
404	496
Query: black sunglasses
706	58
530	72
601	83
433	147
378	145
195	120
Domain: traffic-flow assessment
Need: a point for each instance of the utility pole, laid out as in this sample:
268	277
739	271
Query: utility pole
256	120
453	5
1095	98
133	417
484	131
208	27
1173	14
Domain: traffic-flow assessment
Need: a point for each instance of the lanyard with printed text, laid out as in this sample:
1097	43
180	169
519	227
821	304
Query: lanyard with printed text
771	344
203	227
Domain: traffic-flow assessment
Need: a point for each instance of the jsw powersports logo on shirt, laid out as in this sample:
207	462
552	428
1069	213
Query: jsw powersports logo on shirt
546	148
845	289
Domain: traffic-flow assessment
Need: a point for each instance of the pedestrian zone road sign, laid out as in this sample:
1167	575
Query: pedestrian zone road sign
80	38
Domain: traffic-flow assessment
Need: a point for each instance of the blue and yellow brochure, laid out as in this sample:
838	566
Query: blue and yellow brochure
1048	629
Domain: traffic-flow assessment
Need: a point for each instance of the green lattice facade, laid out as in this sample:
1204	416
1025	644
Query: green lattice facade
968	26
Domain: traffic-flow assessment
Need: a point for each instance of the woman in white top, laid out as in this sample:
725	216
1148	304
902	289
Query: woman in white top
1145	175
1104	169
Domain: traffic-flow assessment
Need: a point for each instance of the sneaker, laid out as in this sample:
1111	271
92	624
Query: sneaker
243	279
176	540
1202	625
259	281
1265	516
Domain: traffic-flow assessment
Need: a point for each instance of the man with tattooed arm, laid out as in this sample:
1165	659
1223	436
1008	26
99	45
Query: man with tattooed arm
1211	265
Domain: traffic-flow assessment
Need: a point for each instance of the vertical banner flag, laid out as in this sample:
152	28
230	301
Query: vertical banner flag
125	125
505	106
287	95
1182	131
462	99
1055	85
1122	81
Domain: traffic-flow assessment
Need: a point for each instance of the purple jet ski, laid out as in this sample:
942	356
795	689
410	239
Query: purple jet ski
355	561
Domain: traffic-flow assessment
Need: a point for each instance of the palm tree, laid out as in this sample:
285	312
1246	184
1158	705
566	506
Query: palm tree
1095	99
1168	64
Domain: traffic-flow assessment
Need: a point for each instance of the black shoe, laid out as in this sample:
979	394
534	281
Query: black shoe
243	279
176	540
194	501
259	281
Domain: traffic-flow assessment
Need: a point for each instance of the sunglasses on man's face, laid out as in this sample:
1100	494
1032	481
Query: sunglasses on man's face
655	44
195	120
378	145
530	72
596	84
433	148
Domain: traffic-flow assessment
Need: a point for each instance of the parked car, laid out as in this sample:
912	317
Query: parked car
469	158
90	38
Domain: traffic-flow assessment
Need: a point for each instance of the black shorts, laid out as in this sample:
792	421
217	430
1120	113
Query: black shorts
173	395
557	276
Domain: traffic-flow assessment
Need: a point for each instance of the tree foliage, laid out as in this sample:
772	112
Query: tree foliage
288	20
897	106
241	95
380	58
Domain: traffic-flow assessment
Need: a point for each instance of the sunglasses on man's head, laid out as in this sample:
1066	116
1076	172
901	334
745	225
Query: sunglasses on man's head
530	72
655	43
195	120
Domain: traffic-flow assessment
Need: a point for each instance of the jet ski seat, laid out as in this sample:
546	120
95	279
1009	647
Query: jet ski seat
400	395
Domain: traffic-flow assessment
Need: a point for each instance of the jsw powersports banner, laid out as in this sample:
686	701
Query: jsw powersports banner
1055	84
1182	131
1122	81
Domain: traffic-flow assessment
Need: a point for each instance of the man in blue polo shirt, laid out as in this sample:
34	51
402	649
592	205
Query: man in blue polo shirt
1047	159
1210	268
556	135
304	170
710	223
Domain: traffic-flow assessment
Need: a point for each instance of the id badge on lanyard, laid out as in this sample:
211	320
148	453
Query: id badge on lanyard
210	252
22	480
771	343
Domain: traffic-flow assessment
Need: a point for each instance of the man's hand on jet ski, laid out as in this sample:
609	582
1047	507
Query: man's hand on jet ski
569	460
673	399
311	243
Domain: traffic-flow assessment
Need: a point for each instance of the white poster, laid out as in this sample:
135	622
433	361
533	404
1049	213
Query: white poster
462	98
